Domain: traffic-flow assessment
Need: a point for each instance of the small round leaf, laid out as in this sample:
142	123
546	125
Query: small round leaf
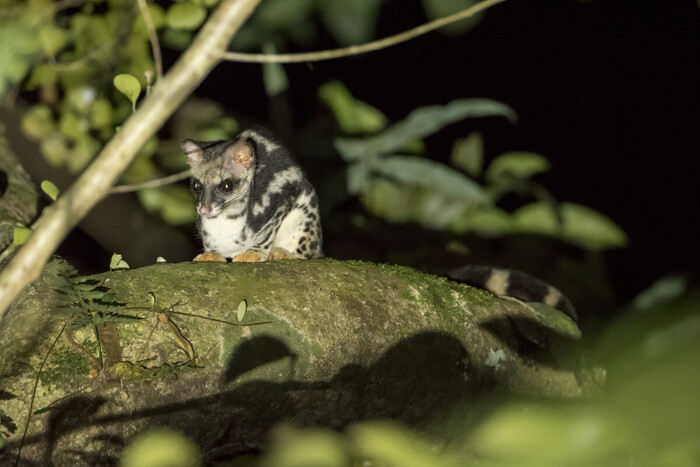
185	16
50	189
20	235
129	86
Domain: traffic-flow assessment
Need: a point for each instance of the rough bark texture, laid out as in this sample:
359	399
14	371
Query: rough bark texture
18	195
322	343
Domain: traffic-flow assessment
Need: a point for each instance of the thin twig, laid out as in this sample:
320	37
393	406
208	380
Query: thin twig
155	183
153	38
364	48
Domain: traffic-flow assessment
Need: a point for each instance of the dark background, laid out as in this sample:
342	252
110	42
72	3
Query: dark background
606	90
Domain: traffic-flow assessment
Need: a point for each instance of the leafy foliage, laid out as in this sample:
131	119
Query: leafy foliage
94	302
410	188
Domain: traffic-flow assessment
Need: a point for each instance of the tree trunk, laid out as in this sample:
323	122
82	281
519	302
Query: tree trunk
319	343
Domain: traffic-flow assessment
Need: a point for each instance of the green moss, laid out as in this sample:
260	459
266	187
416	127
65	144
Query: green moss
63	365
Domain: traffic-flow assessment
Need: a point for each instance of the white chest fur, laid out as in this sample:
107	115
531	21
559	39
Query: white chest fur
225	236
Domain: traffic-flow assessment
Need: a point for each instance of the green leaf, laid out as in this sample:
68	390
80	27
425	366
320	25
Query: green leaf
52	39
185	15
420	123
158	447
488	220
55	149
117	262
519	165
274	76
44	410
350	21
435	9
20	235
392	444
38	122
101	114
581	225
468	154
242	308
42	75
172	202
661	291
430	174
353	116
128	85
50	189
298	448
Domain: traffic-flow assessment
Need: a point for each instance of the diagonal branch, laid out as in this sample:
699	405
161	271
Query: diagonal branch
58	219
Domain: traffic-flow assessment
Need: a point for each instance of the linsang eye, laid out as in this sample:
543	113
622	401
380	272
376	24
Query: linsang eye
226	185
196	185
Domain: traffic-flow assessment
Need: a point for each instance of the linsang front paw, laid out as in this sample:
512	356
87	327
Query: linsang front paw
279	253
209	256
248	256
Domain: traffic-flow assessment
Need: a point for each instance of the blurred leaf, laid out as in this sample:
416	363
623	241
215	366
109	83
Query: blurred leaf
72	126
101	113
350	21
55	149
185	15
391	201
468	154
435	9
42	75
353	116
52	39
420	123
660	291
388	443
306	448
20	235
157	17
117	262
358	176
128	85
275	21
83	151
582	225
50	189
520	165
19	49
172	202
274	76
433	175
531	435
178	39
38	122
160	447
488	220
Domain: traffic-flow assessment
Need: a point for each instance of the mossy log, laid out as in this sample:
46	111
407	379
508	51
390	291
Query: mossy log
224	351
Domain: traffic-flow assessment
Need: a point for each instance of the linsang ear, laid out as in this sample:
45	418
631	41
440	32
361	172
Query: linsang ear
194	153
239	157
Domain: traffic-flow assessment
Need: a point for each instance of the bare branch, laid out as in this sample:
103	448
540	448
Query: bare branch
58	219
153	38
156	183
364	48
